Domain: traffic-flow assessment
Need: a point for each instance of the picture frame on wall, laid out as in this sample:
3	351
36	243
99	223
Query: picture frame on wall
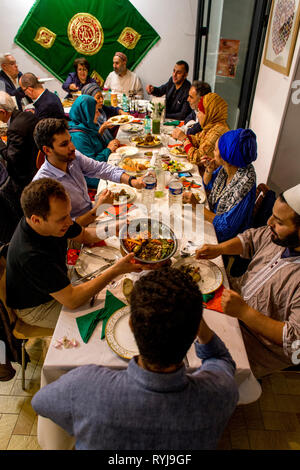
282	35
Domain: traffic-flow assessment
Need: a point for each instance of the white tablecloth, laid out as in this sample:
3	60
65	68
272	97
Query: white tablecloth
97	351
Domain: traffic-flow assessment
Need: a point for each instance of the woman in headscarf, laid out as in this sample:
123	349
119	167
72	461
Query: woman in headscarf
106	129
212	118
76	80
232	184
85	135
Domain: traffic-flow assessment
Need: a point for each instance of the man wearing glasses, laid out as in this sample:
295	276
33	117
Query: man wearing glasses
9	79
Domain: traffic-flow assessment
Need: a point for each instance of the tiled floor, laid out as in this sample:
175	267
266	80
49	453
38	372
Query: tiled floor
273	422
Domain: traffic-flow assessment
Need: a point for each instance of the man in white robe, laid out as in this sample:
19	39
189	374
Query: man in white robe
122	80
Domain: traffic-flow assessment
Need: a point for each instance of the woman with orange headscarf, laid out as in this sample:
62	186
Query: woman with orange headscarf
212	118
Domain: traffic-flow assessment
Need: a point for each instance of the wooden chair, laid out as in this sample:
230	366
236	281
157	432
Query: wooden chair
20	330
39	159
25	332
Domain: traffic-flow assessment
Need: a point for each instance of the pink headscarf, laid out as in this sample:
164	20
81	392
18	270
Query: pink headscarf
121	55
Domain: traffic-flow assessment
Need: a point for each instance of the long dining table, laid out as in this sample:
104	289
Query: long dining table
60	360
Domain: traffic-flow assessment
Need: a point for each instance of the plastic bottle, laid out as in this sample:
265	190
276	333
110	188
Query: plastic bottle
160	176
148	192
124	103
175	190
147	125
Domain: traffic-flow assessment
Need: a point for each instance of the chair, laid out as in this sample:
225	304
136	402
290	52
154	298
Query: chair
20	330
24	332
39	159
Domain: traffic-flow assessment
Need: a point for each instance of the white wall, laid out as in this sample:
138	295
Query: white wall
272	92
174	20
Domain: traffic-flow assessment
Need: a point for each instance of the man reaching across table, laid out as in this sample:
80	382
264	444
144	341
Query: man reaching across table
37	284
266	299
67	165
176	91
154	403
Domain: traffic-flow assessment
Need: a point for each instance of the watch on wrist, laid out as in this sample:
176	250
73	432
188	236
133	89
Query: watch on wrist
130	179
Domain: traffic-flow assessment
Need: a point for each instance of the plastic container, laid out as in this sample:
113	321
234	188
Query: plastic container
114	99
147	125
175	190
148	192
125	103
106	97
160	176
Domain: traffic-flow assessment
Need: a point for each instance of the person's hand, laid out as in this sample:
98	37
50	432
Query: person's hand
106	125
149	89
208	252
178	134
138	183
73	87
113	145
123	112
105	197
233	304
128	265
189	198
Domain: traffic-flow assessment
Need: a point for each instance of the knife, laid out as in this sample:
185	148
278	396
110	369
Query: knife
93	274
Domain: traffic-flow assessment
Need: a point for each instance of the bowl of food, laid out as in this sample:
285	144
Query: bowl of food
134	166
151	241
147	140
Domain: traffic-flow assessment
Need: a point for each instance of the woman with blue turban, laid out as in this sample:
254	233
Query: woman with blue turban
84	132
230	180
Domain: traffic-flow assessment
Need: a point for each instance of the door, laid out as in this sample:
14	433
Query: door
229	42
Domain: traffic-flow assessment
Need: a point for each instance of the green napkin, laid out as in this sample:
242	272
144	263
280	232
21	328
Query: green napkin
87	323
172	123
207	297
112	304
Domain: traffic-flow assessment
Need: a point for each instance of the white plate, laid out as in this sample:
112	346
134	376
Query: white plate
172	151
211	274
86	264
132	128
200	195
127	151
120	119
115	188
119	336
144	161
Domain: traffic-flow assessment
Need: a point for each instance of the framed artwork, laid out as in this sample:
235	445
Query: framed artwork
228	57
282	35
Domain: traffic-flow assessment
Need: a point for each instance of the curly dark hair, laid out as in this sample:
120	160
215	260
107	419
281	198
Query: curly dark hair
166	310
81	61
46	129
35	198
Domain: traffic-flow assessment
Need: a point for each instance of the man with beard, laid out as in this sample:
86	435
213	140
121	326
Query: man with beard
266	299
69	166
122	80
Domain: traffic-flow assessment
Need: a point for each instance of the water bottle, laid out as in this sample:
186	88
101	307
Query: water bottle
148	192
147	125
124	103
175	190
160	176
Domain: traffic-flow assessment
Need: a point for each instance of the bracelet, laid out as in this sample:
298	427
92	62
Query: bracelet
130	179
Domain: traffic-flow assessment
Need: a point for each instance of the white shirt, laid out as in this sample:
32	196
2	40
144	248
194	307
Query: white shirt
129	81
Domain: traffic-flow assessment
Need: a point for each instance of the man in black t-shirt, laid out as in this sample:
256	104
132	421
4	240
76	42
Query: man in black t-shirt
37	284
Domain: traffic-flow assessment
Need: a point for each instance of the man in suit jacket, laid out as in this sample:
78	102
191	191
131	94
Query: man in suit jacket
46	103
21	151
197	90
9	78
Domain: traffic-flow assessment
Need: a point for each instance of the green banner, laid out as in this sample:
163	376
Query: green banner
56	32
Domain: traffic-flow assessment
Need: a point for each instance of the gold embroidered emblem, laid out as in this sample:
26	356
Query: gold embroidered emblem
44	37
129	38
98	78
85	33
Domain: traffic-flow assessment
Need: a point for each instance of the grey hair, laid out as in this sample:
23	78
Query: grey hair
30	80
202	88
3	57
6	102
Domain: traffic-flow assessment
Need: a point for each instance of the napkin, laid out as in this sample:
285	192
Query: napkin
213	301
87	323
172	123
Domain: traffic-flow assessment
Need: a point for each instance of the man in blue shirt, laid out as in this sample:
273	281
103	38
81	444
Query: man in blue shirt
154	403
69	167
176	91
